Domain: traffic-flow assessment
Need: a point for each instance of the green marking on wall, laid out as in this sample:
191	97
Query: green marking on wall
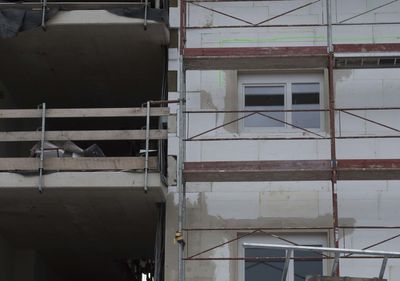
308	39
221	80
272	39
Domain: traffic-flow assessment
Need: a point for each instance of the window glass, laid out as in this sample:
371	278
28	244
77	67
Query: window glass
303	268
306	263
264	97
306	96
263	270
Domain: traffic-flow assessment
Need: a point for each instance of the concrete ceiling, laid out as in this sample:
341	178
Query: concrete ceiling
85	59
81	232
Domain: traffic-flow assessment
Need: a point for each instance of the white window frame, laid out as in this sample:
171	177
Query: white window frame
266	79
309	238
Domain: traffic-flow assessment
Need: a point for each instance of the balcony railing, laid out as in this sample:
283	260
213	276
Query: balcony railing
80	163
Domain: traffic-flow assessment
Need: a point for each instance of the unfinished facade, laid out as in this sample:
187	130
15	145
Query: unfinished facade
174	140
289	136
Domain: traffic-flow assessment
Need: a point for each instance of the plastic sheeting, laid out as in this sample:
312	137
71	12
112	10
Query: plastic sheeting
13	21
159	15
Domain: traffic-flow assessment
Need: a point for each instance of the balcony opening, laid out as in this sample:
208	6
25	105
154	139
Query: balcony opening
75	232
83	66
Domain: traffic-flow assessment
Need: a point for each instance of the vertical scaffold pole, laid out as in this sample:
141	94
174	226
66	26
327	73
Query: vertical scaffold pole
329	25
182	149
332	128
180	181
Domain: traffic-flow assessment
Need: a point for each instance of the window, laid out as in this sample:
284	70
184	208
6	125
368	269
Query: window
264	97
264	270
292	92
306	96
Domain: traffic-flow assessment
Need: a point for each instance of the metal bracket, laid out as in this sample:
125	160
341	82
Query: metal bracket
289	254
43	130
383	267
335	264
146	161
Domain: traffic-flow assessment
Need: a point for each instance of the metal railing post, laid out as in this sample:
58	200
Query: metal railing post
145	13
146	161
44	9
335	264
43	130
288	255
383	267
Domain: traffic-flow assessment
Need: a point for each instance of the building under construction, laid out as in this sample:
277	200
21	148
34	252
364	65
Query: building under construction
200	140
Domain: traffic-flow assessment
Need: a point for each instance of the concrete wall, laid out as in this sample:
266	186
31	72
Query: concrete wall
253	205
285	204
218	90
256	12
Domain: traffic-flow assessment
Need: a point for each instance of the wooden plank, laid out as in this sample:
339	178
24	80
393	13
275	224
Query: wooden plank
365	48
228	171
336	278
292	170
368	169
77	164
83	112
256	51
257	176
255	63
255	58
84	180
83	135
65	5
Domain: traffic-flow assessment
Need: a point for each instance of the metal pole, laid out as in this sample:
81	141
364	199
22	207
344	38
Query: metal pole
335	215
180	180
179	236
146	161
182	41
383	267
40	185
335	264
145	13
324	250
329	25
289	254
44	8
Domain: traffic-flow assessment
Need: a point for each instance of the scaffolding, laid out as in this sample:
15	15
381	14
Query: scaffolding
331	56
